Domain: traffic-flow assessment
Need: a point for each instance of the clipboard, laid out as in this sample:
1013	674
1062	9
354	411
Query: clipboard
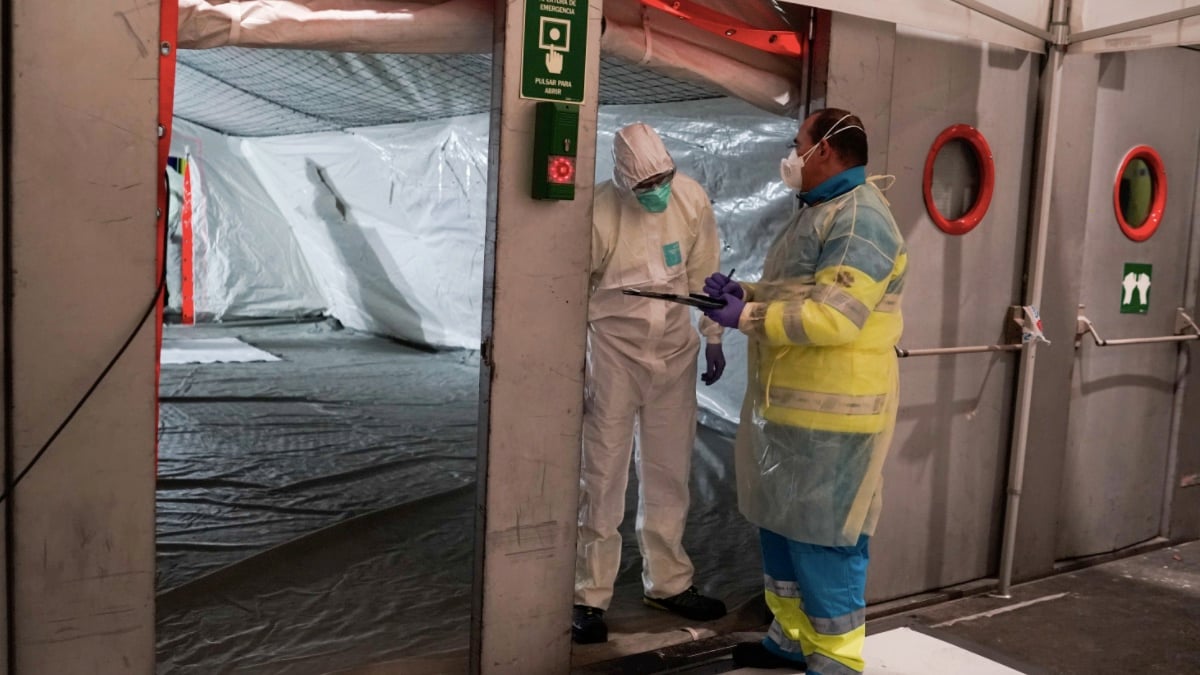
691	300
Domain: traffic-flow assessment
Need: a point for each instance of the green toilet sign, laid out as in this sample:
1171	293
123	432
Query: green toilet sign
1135	288
554	51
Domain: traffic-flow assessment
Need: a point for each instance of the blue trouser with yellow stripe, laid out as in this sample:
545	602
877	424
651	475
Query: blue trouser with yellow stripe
817	594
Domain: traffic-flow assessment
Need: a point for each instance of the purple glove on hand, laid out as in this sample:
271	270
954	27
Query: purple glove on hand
729	315
714	357
717	285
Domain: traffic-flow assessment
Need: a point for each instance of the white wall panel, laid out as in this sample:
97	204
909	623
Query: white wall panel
944	481
1097	14
946	16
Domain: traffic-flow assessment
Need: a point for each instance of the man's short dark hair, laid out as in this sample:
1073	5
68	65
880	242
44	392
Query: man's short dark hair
851	144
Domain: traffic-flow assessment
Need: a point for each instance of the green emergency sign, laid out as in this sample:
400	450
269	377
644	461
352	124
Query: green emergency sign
554	52
1135	288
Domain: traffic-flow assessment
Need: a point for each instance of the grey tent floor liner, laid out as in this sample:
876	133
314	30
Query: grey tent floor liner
315	514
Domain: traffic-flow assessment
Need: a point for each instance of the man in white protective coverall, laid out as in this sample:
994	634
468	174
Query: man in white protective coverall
653	229
821	397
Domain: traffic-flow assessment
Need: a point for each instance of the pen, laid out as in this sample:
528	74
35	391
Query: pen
730	275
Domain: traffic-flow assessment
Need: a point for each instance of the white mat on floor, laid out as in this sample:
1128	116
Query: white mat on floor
176	351
904	651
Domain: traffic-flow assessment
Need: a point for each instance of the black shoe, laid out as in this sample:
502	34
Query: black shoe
756	655
587	625
690	605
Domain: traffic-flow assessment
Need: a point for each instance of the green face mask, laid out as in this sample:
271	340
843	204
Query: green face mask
655	200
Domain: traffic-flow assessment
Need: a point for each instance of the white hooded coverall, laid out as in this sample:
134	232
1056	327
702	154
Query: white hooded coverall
641	370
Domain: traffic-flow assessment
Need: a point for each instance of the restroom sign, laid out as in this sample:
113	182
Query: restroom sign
554	54
1135	288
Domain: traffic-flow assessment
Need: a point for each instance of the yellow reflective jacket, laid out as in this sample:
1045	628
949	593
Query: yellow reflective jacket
821	397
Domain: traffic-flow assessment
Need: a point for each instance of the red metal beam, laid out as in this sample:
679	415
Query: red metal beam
786	43
168	43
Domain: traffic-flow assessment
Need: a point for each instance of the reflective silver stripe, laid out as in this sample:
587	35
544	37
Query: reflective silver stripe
787	290
757	313
784	589
839	625
850	307
839	404
785	643
793	323
754	320
890	303
819	664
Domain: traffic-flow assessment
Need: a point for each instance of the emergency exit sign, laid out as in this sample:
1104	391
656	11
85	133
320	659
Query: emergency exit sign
554	52
1135	288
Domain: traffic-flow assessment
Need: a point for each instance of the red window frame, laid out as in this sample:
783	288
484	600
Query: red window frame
1158	204
987	179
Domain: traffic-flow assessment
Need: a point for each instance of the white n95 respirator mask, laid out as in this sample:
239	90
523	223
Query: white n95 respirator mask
791	169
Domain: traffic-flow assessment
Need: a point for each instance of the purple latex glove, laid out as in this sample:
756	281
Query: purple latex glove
729	315
718	284
714	358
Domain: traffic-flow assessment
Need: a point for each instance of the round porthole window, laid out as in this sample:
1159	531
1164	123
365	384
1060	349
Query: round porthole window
960	176
1140	193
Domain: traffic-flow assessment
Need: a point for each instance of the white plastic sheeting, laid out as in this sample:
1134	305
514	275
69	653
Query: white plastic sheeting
174	262
246	259
383	228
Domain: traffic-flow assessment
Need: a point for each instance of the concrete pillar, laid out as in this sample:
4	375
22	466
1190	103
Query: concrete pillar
535	316
6	389
80	273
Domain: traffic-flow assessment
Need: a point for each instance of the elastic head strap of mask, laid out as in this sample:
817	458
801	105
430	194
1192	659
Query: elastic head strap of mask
834	131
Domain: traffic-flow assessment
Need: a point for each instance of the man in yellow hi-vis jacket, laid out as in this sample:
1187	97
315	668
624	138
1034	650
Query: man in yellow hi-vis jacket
821	397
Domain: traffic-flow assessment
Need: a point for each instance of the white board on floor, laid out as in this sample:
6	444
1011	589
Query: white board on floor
177	351
904	651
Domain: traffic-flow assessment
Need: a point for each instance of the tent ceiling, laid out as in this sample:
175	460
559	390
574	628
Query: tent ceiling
269	92
392	61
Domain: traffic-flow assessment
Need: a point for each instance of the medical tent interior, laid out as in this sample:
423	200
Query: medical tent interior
326	260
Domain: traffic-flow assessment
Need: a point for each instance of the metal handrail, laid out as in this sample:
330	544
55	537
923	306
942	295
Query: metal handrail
1183	322
941	351
1012	337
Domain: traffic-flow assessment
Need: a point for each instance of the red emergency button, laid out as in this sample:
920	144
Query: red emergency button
561	170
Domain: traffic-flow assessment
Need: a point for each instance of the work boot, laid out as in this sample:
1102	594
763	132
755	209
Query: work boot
690	605
756	655
587	625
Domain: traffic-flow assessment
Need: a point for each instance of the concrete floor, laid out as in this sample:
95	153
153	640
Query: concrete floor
1135	615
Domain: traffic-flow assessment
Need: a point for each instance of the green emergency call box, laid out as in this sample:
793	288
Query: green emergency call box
555	142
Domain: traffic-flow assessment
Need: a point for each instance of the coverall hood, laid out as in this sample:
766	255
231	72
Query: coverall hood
638	154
